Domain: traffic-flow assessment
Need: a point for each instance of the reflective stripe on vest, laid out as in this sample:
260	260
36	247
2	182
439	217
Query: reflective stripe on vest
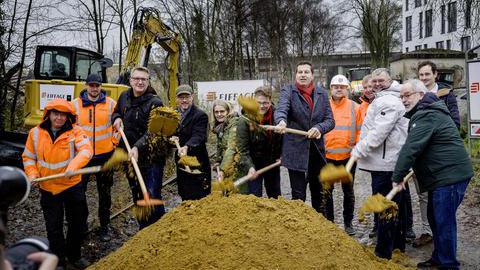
35	139
29	163
61	164
29	154
352	128
77	107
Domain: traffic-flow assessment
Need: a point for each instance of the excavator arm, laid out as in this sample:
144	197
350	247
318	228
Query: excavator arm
148	29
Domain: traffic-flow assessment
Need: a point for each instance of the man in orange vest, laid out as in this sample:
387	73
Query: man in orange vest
367	95
94	110
339	142
57	146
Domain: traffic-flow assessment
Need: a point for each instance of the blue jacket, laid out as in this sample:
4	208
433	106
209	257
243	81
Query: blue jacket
294	110
451	102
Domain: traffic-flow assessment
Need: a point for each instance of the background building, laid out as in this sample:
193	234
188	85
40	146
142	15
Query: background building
441	24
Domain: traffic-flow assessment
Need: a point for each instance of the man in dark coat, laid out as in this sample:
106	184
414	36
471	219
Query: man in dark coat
192	134
132	112
259	148
306	107
441	164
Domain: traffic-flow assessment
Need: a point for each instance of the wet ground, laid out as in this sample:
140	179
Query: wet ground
27	220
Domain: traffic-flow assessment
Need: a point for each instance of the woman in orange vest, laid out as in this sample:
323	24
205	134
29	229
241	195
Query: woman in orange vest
339	142
57	146
94	110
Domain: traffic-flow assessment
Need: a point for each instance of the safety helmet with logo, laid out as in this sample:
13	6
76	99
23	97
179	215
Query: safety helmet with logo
339	80
60	105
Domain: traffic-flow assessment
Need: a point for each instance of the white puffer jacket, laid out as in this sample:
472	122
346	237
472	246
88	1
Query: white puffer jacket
383	132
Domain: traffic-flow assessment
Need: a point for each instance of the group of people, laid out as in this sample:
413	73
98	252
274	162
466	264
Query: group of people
394	128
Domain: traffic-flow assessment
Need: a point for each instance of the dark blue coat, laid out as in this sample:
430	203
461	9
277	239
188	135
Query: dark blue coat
451	102
294	110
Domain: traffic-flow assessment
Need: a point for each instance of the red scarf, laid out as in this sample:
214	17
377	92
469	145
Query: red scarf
306	92
268	120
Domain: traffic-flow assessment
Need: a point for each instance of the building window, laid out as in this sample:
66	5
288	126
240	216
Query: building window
468	13
420	25
406	49
449	44
442	11
440	45
418	47
406	5
465	43
452	17
425	46
428	23
408	28
418	3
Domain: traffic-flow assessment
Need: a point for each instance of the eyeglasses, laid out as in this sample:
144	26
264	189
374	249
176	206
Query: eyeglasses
407	95
139	79
186	97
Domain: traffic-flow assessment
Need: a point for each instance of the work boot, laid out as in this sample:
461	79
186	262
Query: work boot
79	264
410	234
349	230
427	264
423	240
373	233
104	235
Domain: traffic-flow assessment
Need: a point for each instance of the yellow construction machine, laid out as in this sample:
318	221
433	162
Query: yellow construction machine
60	72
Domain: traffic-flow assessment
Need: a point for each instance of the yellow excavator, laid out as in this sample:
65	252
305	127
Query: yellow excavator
60	72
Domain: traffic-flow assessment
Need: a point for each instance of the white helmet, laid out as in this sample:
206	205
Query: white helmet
339	80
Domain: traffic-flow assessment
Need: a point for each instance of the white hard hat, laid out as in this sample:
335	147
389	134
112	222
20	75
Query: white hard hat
339	80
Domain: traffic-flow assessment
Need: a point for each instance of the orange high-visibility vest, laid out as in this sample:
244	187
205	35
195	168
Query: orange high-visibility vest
340	141
363	109
96	121
43	157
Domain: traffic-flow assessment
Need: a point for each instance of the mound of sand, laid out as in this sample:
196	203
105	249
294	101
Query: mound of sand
242	232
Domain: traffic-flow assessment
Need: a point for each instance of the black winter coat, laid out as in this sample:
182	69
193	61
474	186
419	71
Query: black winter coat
192	132
135	112
451	102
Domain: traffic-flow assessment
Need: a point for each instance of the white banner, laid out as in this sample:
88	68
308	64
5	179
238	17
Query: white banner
51	91
225	90
474	90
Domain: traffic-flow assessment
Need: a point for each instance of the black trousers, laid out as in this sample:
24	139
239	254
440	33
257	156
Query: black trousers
104	189
72	204
348	197
271	180
298	181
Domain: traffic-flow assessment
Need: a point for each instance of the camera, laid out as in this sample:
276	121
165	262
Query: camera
14	189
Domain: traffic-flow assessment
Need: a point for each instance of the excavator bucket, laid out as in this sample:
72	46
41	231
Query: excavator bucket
331	174
163	121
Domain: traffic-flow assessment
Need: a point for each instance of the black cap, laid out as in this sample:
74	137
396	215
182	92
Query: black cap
94	78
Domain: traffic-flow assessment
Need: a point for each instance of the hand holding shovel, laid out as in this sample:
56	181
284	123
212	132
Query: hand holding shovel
185	160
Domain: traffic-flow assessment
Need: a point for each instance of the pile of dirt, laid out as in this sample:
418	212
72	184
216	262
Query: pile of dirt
242	232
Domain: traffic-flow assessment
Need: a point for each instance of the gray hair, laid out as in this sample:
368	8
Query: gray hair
379	71
416	85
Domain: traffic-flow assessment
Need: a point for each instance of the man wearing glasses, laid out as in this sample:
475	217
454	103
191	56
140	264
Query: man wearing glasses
192	135
94	110
132	113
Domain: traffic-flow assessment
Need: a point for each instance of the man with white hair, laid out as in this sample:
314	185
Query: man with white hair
382	135
436	153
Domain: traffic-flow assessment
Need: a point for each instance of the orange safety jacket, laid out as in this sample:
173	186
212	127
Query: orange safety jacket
95	118
363	109
44	157
340	141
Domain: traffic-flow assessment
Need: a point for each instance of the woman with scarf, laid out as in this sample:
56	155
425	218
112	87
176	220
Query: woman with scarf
306	107
224	118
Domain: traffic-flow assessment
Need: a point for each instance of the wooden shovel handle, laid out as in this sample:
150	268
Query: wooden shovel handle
350	163
135	166
244	179
287	130
397	189
93	169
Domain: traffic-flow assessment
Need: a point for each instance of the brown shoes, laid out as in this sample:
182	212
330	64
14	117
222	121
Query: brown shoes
423	240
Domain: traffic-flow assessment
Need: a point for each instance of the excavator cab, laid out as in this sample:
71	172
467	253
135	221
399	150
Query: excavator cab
60	72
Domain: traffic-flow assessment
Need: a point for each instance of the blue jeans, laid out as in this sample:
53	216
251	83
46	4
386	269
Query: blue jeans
153	181
442	207
390	232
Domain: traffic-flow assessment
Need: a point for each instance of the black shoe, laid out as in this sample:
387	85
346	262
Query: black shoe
104	235
79	264
373	233
427	264
349	230
410	234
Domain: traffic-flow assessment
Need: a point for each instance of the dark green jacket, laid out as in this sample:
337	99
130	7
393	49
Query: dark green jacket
255	143
222	131
433	147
